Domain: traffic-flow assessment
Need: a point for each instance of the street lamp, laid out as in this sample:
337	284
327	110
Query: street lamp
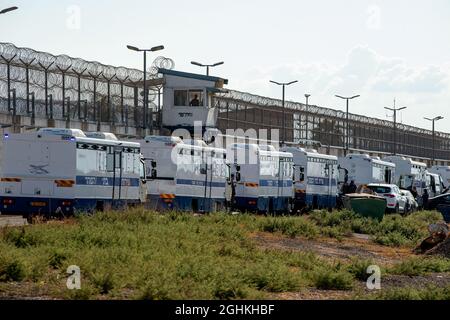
207	65
347	131
433	120
394	109
157	48
306	117
284	120
8	10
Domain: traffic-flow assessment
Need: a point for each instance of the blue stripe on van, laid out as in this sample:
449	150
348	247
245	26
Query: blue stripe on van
275	183
316	181
106	181
200	183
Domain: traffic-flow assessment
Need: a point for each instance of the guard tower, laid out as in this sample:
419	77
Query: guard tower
187	98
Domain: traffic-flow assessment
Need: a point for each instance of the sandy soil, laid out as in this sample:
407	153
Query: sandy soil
356	246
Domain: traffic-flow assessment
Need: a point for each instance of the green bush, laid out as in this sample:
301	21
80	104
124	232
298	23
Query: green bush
358	268
410	293
21	238
11	270
333	280
228	289
56	259
420	266
290	226
393	230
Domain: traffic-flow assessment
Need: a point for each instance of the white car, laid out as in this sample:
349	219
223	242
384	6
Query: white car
396	202
411	203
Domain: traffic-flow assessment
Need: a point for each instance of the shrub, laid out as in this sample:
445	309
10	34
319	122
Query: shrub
410	293
229	289
11	270
358	268
273	277
104	282
421	265
21	238
333	280
56	259
290	226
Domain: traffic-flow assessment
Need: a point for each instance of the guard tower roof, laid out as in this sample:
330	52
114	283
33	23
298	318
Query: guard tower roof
219	81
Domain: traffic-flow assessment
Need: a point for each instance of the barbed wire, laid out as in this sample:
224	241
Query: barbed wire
252	99
29	71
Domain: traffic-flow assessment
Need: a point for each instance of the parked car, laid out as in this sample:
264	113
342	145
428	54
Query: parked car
411	202
442	204
396	202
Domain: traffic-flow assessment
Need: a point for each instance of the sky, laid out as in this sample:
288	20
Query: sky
380	49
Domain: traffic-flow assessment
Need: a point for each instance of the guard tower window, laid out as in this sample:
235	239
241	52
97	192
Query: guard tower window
195	98
180	98
191	98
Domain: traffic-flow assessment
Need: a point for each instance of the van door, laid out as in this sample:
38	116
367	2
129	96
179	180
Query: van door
37	161
387	176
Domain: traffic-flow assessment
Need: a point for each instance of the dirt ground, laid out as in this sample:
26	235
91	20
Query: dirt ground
356	246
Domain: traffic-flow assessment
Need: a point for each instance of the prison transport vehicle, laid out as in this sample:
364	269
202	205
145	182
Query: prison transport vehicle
261	177
184	175
315	179
444	172
434	184
57	172
363	169
408	173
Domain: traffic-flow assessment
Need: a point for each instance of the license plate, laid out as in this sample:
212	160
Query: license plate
38	204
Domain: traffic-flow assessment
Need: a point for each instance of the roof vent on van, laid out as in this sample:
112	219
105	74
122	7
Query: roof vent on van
62	132
163	139
102	135
267	148
358	156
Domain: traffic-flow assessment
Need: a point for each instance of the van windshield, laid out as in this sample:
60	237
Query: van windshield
380	190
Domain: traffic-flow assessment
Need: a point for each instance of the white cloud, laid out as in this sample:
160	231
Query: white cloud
379	79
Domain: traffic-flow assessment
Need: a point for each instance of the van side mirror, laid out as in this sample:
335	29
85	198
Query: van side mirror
154	174
238	176
238	168
153	164
203	169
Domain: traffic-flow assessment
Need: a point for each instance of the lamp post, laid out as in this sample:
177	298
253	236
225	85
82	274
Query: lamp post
207	65
283	85
433	120
347	131
145	102
8	10
394	109
306	118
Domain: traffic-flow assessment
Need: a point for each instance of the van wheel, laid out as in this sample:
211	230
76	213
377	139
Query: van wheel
397	209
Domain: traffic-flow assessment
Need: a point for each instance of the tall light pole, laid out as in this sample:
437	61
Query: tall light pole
284	118
306	117
157	48
347	130
8	10
394	109
207	65
433	120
